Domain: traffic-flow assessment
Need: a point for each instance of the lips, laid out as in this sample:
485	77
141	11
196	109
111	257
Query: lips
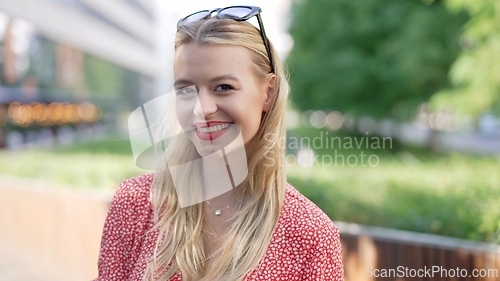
211	130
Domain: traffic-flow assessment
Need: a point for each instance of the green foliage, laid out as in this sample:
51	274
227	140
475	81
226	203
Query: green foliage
476	73
370	56
94	164
446	194
118	146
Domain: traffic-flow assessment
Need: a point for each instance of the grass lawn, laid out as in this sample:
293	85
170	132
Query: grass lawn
94	164
408	188
448	194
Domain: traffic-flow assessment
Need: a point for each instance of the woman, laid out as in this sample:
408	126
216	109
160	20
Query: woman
222	210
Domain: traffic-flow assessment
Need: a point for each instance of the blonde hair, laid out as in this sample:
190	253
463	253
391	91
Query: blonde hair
180	244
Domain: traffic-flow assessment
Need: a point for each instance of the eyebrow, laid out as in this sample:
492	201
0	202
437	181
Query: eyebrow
182	82
225	77
215	79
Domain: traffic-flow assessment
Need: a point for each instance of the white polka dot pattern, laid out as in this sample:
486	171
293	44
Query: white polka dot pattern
304	246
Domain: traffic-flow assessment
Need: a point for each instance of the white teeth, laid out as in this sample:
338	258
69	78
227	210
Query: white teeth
207	130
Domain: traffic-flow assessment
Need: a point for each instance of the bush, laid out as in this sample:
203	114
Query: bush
447	194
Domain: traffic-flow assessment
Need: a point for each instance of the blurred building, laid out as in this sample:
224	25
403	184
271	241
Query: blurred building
68	63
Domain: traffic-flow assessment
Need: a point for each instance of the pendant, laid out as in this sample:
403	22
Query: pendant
218	212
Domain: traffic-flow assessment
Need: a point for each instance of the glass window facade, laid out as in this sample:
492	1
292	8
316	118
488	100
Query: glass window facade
36	72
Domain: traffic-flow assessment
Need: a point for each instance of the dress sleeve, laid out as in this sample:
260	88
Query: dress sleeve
324	259
122	230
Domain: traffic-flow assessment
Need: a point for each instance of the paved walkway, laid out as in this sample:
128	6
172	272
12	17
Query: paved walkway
13	268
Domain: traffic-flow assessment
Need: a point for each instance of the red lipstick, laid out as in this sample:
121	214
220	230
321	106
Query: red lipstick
211	130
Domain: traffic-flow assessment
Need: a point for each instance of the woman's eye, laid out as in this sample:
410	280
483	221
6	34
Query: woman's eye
224	88
185	91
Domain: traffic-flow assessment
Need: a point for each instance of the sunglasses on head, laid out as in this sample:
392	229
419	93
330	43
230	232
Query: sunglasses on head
238	13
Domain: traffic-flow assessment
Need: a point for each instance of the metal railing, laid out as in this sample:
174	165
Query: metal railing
373	253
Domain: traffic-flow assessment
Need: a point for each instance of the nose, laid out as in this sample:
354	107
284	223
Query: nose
205	105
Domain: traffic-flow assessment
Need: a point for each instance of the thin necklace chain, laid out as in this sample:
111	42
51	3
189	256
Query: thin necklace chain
218	212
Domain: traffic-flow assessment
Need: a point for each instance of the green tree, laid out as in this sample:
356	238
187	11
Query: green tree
370	57
475	75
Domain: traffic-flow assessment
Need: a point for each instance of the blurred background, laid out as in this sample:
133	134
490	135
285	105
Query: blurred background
394	124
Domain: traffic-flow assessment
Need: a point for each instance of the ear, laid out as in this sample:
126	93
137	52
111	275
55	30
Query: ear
271	89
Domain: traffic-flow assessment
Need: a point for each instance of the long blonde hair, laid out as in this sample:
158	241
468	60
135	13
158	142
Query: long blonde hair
180	244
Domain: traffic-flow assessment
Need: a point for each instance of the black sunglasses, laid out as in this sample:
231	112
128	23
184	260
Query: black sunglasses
238	13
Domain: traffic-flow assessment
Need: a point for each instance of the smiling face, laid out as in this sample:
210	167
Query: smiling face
218	94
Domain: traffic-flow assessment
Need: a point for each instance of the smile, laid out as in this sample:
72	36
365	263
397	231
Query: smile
212	129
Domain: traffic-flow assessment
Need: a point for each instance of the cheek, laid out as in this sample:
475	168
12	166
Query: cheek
254	107
183	112
250	124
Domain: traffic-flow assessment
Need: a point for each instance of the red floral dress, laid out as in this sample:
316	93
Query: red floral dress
304	246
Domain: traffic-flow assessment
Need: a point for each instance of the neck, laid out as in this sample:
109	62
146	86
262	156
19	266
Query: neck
218	212
228	198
